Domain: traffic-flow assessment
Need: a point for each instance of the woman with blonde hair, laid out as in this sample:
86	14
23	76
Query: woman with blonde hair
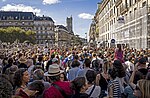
142	89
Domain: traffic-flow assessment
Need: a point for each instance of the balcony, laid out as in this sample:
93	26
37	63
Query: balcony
118	2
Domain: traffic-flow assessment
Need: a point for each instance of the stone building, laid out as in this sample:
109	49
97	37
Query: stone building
44	28
92	34
69	24
47	33
62	36
24	20
125	21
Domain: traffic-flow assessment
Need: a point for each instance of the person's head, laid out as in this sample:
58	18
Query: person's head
90	76
148	76
55	60
100	55
130	58
37	86
53	73
23	60
76	57
118	69
40	58
29	62
63	77
119	46
94	54
38	74
21	76
52	56
142	62
87	62
10	61
142	89
75	64
5	87
79	84
111	74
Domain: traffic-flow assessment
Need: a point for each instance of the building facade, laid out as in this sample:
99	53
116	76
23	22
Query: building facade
47	33
69	24
125	21
92	34
45	30
62	36
24	20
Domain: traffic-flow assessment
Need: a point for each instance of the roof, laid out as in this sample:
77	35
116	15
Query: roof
38	18
62	27
16	15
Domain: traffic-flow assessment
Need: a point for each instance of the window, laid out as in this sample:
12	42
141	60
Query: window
134	12
130	2
22	17
117	12
126	3
114	10
144	4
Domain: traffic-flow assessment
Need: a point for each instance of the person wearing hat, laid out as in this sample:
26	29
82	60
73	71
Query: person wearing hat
53	74
22	62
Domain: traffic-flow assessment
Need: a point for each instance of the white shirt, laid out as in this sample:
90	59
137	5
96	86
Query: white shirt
130	66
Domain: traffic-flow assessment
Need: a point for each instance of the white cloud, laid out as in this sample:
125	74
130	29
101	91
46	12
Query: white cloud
50	2
85	16
20	7
3	0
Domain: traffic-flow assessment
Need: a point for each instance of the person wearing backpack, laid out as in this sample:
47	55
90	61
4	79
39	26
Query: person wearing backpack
93	90
96	65
58	89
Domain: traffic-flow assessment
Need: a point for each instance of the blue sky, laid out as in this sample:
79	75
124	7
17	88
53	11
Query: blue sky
82	11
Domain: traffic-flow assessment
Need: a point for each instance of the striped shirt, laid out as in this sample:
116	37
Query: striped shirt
116	88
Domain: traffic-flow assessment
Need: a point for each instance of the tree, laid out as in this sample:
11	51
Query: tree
10	34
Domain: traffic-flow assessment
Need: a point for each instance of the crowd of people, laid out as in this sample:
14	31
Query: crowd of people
33	71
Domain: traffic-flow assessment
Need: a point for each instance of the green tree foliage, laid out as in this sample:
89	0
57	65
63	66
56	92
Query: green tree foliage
10	34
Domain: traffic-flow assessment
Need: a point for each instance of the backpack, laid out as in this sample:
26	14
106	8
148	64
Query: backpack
96	65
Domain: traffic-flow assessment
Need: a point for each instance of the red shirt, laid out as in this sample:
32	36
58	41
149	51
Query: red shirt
52	92
22	94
